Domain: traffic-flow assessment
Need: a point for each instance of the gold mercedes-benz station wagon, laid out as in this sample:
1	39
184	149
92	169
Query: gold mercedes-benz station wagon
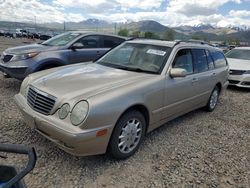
109	105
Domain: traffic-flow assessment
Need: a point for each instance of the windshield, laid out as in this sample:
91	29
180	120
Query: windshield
61	40
239	54
137	57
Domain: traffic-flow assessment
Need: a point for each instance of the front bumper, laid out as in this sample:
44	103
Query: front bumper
18	72
240	80
14	71
77	141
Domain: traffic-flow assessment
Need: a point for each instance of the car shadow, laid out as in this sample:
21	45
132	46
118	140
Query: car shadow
238	89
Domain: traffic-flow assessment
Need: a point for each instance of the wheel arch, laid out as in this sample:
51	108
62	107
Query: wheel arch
219	85
50	64
142	109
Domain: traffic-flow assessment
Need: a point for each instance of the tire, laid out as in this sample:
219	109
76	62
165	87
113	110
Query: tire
47	67
127	135
213	99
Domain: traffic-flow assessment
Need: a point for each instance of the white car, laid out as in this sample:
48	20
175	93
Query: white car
239	65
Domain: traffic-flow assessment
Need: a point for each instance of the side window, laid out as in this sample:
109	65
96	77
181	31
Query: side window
210	60
111	42
89	41
219	59
200	60
184	60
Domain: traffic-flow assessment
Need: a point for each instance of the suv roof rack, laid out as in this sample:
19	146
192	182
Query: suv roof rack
192	41
134	38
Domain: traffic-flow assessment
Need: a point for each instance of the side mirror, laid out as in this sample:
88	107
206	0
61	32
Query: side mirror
178	73
77	45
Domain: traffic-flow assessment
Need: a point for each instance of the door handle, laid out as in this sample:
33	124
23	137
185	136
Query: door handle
194	80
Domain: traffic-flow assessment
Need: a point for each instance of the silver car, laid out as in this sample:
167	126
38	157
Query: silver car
111	104
239	65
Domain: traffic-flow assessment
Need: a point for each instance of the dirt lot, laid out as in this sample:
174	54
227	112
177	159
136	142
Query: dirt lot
199	149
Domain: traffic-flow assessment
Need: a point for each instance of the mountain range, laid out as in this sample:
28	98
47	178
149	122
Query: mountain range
202	31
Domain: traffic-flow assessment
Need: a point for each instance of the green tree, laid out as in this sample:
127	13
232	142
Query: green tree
196	37
123	32
136	34
151	35
169	35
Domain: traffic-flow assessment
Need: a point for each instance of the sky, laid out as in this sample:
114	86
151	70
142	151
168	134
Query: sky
220	13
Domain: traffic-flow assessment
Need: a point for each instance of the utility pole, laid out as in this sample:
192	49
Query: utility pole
64	26
115	27
35	22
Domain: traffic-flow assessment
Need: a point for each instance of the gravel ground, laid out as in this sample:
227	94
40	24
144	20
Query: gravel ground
199	149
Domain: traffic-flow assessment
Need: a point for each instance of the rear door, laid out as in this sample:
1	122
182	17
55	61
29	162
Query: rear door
111	42
204	75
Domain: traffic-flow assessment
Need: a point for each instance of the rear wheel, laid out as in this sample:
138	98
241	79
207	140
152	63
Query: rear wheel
213	99
127	135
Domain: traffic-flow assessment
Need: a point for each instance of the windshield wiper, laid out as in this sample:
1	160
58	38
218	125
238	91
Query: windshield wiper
136	69
122	67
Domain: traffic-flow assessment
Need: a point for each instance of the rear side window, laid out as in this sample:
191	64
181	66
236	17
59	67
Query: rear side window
210	60
90	41
184	60
200	60
219	59
111	42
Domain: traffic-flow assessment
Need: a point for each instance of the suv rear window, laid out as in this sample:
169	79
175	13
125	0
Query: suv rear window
219	59
111	42
200	60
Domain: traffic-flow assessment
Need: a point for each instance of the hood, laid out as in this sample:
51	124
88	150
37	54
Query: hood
238	64
29	48
84	80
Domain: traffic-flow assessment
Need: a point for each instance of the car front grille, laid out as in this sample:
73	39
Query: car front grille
233	81
40	101
6	58
237	72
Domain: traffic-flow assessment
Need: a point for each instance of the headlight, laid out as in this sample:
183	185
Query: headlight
24	56
24	86
64	111
247	72
79	112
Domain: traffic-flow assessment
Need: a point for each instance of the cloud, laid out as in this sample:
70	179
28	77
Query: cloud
88	6
239	13
145	5
31	10
98	6
197	7
175	12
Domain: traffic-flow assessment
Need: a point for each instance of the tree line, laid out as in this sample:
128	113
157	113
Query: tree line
168	35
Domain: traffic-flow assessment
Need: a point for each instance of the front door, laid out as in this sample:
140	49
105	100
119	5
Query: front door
88	49
180	93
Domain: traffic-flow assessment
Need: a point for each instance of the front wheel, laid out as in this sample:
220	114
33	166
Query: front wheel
127	135
213	99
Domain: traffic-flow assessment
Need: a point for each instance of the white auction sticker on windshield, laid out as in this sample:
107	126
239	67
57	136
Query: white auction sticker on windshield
156	52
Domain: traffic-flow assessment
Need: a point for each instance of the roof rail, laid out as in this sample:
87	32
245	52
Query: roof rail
134	38
192	41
